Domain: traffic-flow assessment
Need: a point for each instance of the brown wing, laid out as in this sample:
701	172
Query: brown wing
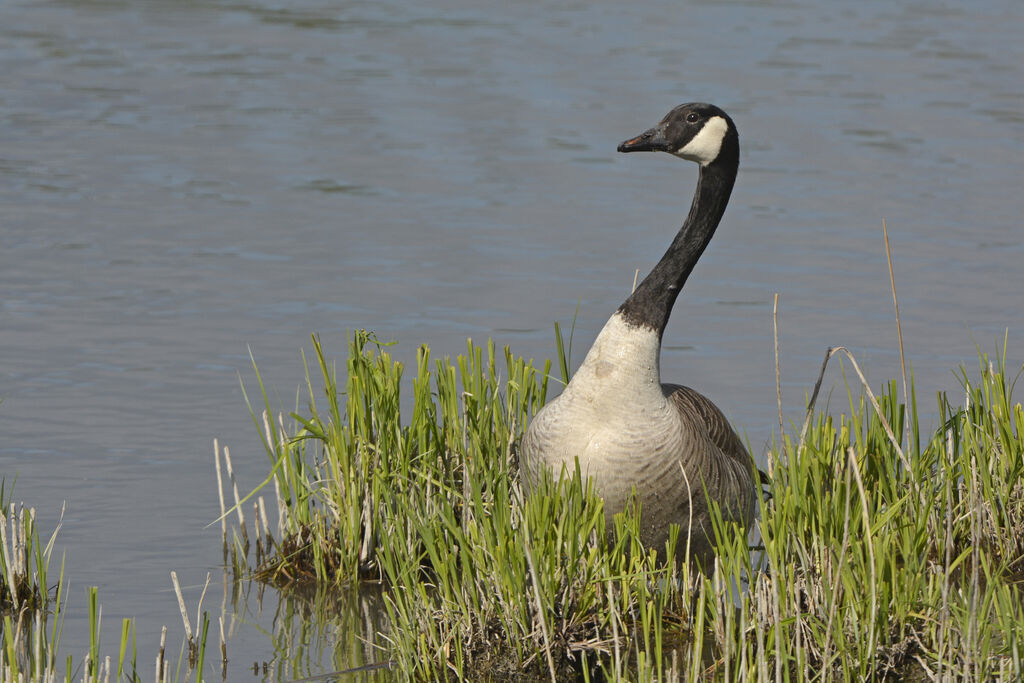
737	461
719	429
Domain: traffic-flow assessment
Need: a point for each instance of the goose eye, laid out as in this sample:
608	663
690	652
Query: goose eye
692	117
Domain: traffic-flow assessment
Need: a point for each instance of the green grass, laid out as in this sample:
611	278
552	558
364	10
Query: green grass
873	567
884	551
351	477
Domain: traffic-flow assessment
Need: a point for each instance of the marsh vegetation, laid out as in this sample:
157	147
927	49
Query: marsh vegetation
883	550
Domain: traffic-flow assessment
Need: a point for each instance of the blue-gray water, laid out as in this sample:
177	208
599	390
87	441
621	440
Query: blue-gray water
183	181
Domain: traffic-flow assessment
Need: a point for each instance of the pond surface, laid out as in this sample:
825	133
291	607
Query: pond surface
182	182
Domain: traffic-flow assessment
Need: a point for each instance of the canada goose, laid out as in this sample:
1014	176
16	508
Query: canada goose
627	429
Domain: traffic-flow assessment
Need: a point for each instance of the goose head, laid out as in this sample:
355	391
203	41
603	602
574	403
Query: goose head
696	132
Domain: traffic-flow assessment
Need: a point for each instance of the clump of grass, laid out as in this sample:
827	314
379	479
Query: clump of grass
886	551
33	608
30	642
887	557
24	558
27	645
351	476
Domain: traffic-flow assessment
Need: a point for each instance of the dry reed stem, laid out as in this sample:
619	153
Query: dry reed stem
8	552
223	650
256	527
199	608
38	646
289	484
220	493
263	519
181	606
831	351
899	326
160	662
778	376
234	487
53	537
268	433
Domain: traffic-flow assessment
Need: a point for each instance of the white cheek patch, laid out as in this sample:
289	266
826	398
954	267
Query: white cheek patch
705	145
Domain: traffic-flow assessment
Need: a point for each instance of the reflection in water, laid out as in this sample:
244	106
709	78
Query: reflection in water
331	634
307	633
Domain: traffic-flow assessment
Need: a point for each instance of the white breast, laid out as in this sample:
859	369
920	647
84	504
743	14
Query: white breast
612	413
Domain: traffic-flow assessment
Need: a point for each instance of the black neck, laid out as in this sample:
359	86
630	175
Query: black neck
651	303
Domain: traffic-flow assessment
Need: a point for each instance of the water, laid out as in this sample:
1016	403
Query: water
182	182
